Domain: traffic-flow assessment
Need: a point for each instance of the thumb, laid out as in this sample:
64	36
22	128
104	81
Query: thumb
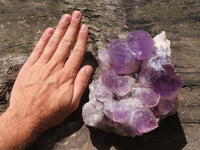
80	83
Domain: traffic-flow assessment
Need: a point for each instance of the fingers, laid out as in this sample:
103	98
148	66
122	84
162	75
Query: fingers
80	84
56	38
39	48
68	40
78	52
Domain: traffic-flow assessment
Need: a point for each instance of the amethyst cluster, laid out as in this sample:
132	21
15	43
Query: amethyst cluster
137	88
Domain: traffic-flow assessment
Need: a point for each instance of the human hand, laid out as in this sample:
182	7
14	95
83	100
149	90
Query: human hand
47	88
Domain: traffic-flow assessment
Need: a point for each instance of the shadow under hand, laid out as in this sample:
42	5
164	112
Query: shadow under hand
72	123
168	136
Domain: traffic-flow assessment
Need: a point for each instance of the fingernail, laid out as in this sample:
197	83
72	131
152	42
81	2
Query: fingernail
49	31
76	15
65	18
83	28
88	71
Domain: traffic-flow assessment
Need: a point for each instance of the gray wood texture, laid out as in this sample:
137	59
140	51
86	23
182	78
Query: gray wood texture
23	21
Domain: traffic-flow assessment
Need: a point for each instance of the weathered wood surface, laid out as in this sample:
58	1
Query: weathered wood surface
22	22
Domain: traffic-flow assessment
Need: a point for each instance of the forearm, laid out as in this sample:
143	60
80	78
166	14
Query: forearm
16	132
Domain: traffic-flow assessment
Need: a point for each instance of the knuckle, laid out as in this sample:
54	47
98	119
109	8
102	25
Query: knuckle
83	82
38	51
51	66
62	26
68	43
78	52
66	75
39	47
83	35
74	71
43	41
75	25
52	43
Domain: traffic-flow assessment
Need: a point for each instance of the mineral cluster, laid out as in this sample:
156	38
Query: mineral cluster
138	86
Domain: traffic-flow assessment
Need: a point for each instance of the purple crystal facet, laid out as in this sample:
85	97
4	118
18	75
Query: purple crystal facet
165	106
166	83
122	111
148	97
143	120
121	58
145	77
141	43
120	85
138	86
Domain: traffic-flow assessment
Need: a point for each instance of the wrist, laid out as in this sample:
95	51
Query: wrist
16	130
26	123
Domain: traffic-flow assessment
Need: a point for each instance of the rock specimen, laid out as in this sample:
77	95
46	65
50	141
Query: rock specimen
137	88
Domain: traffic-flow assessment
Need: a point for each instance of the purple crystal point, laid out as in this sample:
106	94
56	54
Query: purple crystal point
147	122
103	94
121	115
145	77
121	58
141	43
166	82
109	108
148	96
131	113
143	120
165	106
119	85
93	116
122	111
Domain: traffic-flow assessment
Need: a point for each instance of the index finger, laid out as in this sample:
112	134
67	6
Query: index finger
76	57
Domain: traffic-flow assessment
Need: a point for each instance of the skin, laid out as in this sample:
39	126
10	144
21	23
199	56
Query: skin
47	88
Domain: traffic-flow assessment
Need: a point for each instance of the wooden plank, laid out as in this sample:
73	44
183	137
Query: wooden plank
192	135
